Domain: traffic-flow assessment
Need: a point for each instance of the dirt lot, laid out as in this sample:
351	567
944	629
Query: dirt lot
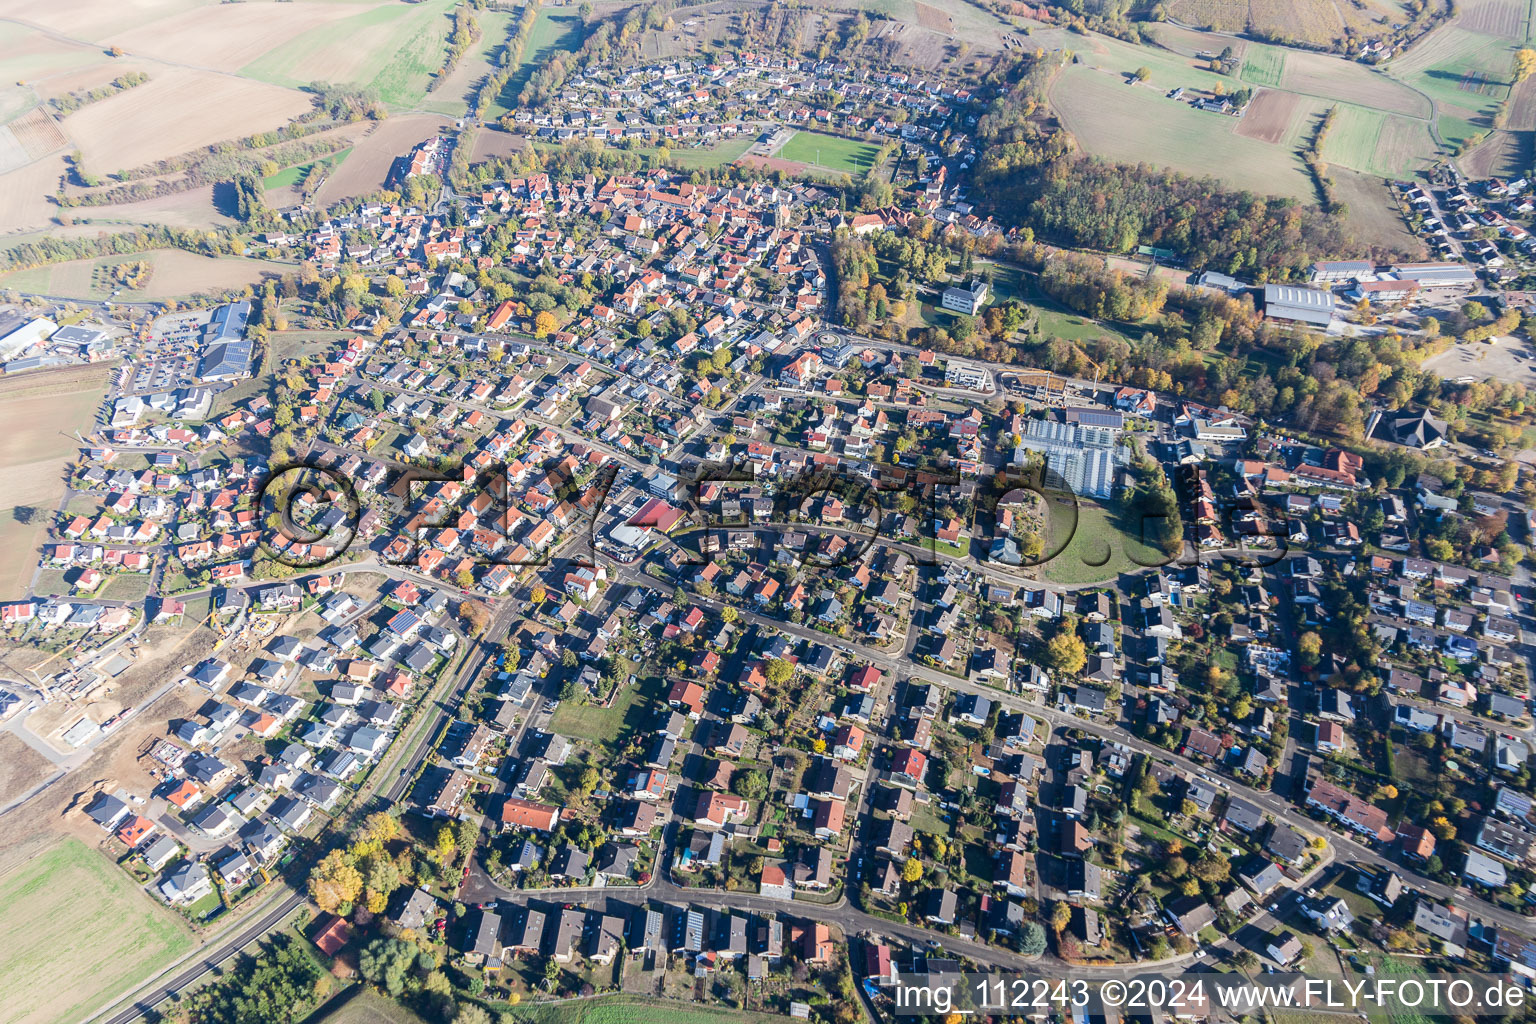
772	163
1506	359
490	144
21	767
365	169
1269	115
176	111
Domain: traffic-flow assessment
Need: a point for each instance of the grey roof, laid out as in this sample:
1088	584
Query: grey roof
1289	302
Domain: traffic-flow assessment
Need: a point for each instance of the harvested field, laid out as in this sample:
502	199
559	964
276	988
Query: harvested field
1269	116
1332	78
1502	153
1218	15
1191	42
933	19
176	111
31	60
395	48
1373	214
193	208
1508	151
1307	22
93	20
1134	124
1495	18
75	930
39	414
1464	73
12	153
24	193
374	153
176	274
493	143
226	37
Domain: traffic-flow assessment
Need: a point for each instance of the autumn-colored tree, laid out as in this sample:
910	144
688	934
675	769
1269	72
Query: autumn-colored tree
334	881
544	324
383	826
1065	654
1525	63
912	870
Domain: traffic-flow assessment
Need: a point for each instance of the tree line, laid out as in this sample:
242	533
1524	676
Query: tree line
73	101
465	33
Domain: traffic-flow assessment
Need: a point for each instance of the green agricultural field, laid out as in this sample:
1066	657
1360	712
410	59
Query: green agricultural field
1263	65
1465	73
368	1007
830	152
553	31
1387	145
1134	123
394	49
293	175
74	932
628	1009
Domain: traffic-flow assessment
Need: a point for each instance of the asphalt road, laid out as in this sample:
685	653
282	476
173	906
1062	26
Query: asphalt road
208	961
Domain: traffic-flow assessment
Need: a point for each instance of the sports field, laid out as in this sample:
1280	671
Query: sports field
74	932
1263	65
830	152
